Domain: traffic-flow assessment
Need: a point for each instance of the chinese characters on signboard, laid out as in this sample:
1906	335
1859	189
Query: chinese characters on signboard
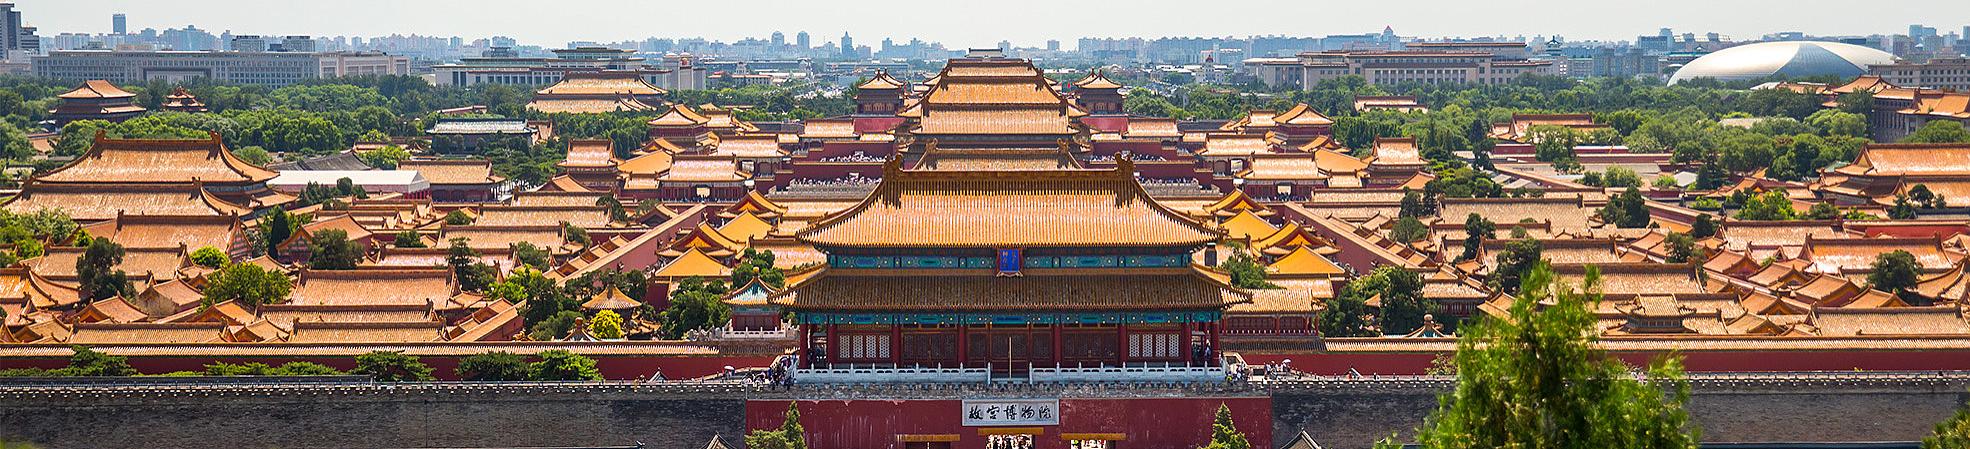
1011	412
1010	261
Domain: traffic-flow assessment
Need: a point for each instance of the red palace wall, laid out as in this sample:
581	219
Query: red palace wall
1147	423
442	366
1408	363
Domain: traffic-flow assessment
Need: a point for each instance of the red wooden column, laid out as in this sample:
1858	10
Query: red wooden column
964	345
834	343
1183	342
896	345
1057	357
1122	343
806	345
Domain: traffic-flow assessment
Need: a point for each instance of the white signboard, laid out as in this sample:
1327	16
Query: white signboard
1011	412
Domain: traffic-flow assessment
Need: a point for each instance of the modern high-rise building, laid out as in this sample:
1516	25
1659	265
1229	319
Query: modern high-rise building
118	24
807	42
10	28
779	39
847	45
262	68
248	43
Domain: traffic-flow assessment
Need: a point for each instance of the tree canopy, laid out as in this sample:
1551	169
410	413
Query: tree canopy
1536	379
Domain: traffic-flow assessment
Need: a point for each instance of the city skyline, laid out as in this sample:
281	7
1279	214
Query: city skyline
551	27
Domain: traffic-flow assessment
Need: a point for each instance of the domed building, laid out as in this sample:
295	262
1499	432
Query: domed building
1795	59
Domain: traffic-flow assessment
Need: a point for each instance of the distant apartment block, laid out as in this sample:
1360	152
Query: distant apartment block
1940	73
1432	63
671	73
269	69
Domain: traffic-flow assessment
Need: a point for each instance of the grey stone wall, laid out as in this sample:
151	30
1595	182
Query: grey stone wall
431	419
1339	413
1801	410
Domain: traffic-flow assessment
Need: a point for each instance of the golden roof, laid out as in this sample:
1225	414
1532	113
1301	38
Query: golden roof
601	83
881	81
693	264
1910	159
1244	225
649	164
94	89
763	146
1096	80
755	204
460	171
1302	115
107	200
1283	167
680	116
587	105
746	227
703	169
590	153
374	286
159	161
1235	145
1303	262
995	209
1235	202
610	299
993	97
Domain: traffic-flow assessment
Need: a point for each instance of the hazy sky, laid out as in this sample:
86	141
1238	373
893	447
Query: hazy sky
985	23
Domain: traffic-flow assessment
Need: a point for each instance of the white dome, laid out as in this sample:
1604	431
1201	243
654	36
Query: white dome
1795	59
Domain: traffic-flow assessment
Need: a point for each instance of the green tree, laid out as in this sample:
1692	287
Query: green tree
89	362
1939	131
1771	205
1224	434
493	366
1622	177
1682	248
1627	210
1245	271
97	273
386	158
254	155
247	284
607	324
1476	230
333	250
1953	433
209	257
1554	143
529	255
408	239
1903	208
1896	272
555	327
1537	379
1401	290
1704	227
755	264
559	364
472	274
279	226
1519	257
790	435
391	366
695	304
1409	229
1834	122
458	218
